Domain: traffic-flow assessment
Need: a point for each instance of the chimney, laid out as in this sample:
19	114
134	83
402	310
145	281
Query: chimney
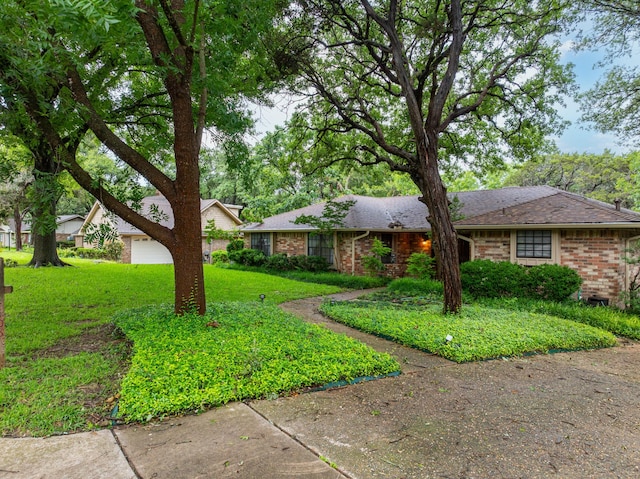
617	202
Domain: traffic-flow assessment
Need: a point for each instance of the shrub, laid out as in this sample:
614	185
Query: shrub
553	282
219	256
279	262
309	263
488	279
10	263
235	245
421	266
248	257
113	250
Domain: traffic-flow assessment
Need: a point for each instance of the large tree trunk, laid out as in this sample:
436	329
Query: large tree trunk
17	219
444	236
43	225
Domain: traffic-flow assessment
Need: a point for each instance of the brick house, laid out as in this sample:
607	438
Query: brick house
141	249
525	225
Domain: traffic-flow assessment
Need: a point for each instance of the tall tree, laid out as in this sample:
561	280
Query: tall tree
607	177
613	104
146	78
418	83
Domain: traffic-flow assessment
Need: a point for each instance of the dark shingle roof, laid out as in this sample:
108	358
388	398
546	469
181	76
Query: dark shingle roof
513	206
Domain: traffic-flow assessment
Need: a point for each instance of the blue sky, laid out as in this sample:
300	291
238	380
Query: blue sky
580	137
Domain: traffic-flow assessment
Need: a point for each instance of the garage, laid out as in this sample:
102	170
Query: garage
144	250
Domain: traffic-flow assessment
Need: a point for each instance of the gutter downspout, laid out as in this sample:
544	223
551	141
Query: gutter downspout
353	250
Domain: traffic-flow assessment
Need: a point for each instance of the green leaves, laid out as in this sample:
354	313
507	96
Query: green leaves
477	333
238	351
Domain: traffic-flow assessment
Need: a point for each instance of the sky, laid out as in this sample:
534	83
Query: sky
579	137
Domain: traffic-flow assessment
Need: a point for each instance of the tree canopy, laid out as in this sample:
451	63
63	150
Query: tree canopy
146	78
422	84
613	104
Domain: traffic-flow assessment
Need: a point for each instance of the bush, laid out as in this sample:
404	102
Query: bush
421	266
309	263
416	287
113	250
488	279
235	245
10	263
219	256
279	262
248	257
553	282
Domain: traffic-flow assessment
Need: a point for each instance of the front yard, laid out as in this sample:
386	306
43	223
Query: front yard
92	343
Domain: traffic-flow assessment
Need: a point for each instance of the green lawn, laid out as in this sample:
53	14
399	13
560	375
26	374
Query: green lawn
47	388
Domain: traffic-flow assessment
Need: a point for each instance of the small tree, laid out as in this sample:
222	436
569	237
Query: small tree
372	263
631	297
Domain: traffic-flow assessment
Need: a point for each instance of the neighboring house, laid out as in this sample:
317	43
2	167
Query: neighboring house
7	238
68	226
525	225
141	249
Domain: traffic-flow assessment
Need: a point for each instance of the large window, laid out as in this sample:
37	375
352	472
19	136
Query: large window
321	245
533	244
261	242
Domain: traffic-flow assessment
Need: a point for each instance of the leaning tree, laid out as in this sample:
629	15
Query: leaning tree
146	78
416	83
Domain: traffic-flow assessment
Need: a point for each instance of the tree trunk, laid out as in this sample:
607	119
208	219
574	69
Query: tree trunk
17	219
444	236
43	225
187	257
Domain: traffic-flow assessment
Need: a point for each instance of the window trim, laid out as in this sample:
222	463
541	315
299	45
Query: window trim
555	249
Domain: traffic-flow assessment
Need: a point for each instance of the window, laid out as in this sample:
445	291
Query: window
261	242
387	240
321	245
533	244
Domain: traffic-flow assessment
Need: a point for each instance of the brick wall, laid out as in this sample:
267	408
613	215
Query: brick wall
493	245
292	244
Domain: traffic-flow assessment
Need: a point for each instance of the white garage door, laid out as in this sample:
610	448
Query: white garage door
148	251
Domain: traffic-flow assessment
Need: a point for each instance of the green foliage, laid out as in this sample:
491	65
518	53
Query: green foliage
416	287
9	263
421	266
606	177
310	263
622	323
212	232
238	351
477	333
100	234
219	256
248	257
235	245
333	215
279	262
372	263
489	279
49	305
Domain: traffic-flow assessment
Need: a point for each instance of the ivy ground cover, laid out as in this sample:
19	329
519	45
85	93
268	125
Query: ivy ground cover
237	351
477	333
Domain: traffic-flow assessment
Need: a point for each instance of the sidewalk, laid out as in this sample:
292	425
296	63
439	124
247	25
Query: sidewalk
232	441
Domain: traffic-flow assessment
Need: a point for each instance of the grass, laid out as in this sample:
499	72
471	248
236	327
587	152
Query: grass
478	333
237	351
51	385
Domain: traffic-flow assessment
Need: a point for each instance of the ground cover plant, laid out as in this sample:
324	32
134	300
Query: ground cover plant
237	351
58	317
413	292
477	333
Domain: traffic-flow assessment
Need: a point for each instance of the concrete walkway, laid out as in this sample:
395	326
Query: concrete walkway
571	415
